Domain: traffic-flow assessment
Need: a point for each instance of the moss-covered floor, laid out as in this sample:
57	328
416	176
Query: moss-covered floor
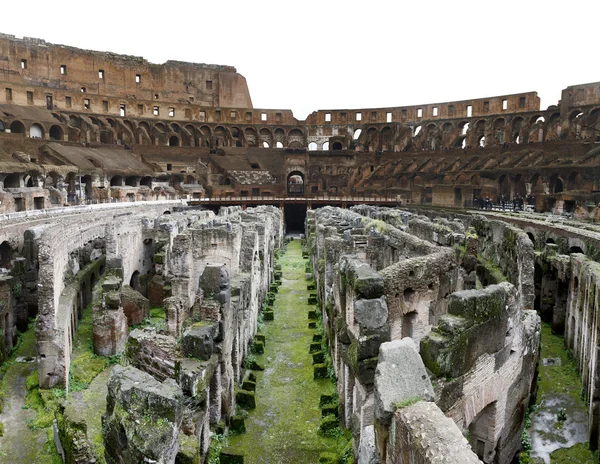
559	387
283	427
23	441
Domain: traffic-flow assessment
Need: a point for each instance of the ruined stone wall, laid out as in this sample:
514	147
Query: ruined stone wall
53	246
376	283
581	333
487	345
205	338
31	63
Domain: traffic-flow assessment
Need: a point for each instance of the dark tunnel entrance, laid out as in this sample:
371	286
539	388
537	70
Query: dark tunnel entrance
294	215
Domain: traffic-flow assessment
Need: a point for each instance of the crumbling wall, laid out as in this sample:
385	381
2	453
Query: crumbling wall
581	333
486	348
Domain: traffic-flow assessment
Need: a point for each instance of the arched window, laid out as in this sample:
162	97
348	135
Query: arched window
36	131
56	133
295	183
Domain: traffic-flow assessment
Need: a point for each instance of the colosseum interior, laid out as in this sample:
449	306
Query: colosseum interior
185	278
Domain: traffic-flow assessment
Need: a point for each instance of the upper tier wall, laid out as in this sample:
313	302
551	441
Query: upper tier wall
57	68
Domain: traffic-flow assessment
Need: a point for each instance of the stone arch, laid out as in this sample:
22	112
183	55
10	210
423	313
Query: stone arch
13	180
295	183
174	141
481	433
296	137
116	181
519	186
504	186
36	131
56	133
6	255
17	127
251	137
515	131
556	184
134	281
131	181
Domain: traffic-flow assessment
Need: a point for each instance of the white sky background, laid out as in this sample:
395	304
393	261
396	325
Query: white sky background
306	55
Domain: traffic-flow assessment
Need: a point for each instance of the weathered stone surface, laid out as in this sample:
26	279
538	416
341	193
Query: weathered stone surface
142	418
110	331
367	453
195	376
370	314
400	376
135	306
423	435
199	340
152	352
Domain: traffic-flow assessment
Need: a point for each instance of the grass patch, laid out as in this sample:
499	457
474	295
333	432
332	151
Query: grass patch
85	365
576	454
557	379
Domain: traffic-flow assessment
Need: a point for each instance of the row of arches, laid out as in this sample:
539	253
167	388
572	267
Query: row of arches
129	131
33	130
76	183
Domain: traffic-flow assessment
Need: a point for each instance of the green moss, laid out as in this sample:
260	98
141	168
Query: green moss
495	272
576	454
283	426
557	379
85	365
407	402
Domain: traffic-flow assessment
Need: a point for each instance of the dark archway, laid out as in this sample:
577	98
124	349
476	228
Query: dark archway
295	216
17	127
174	141
134	282
295	183
116	181
6	253
56	133
337	146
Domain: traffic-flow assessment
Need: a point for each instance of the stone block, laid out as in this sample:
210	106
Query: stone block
400	377
248	385
330	409
245	399
312	314
328	458
327	399
199	340
229	458
143	417
135	306
370	314
195	376
320	371
112	299
257	347
318	357
110	331
315	347
328	423
268	315
238	424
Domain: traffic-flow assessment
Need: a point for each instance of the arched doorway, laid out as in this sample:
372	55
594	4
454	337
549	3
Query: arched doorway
134	282
295	183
